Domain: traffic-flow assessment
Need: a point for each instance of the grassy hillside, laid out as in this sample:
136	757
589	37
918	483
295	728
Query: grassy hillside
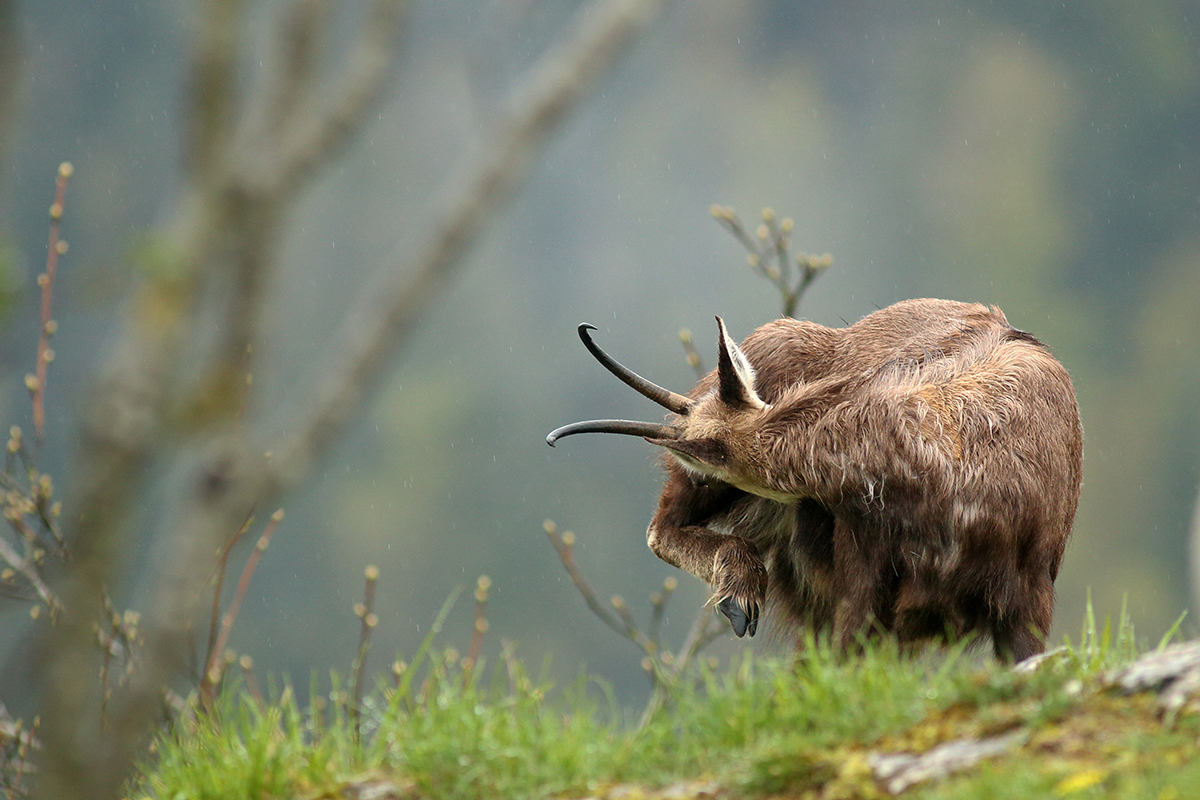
939	725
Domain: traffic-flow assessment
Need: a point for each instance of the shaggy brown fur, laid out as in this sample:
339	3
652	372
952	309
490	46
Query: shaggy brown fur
915	473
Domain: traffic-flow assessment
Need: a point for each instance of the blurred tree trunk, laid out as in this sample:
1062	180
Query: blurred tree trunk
246	161
10	69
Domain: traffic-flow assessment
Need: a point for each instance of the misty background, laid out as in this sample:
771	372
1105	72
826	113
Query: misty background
1044	159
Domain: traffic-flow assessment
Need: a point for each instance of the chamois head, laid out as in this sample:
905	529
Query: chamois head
706	433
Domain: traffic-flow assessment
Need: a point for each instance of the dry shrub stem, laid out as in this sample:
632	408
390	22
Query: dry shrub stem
664	668
27	493
15	745
218	582
246	162
767	254
211	677
365	611
479	626
54	249
690	353
246	663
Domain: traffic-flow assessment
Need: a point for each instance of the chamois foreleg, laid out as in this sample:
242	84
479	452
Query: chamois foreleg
679	534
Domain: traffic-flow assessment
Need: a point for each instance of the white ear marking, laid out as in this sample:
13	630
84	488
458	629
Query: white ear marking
737	382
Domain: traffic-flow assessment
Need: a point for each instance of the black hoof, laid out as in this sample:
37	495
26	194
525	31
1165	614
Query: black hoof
741	621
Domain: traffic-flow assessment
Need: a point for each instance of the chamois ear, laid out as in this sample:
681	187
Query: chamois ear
697	453
735	375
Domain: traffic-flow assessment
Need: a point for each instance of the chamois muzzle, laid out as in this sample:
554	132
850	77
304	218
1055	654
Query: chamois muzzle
669	400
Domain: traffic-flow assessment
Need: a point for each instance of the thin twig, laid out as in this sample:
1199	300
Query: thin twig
212	675
105	663
811	267
479	625
631	629
562	545
660	665
701	634
54	249
247	665
218	584
689	350
767	254
365	611
29	740
658	607
780	232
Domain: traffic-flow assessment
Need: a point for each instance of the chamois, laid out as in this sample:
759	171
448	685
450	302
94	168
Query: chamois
913	474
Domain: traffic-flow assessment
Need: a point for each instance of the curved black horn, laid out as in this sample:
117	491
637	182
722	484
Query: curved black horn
655	430
664	397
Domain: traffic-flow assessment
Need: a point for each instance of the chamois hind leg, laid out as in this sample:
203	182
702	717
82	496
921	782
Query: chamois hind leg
858	581
731	564
1022	631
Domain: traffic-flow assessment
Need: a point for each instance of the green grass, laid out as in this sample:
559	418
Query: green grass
761	728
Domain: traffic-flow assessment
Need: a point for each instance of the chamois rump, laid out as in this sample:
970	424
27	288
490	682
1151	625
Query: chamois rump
913	474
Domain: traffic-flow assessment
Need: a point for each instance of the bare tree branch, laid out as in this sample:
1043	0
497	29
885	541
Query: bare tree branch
300	135
392	303
315	137
211	91
299	40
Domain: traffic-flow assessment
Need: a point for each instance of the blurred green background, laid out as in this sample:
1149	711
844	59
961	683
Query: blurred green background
1042	157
